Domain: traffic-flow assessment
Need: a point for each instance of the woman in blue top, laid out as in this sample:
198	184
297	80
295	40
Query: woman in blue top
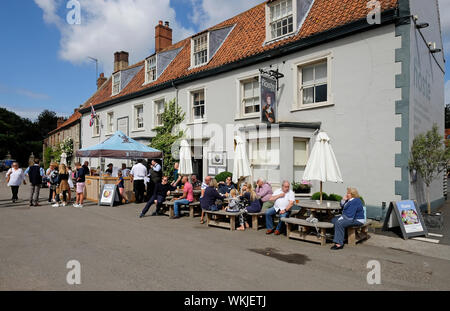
352	215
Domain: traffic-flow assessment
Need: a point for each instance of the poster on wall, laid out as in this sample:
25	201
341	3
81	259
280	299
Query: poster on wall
217	162
109	195
407	216
268	87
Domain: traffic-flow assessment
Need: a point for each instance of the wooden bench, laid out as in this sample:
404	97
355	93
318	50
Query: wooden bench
256	224
194	208
222	219
358	233
300	229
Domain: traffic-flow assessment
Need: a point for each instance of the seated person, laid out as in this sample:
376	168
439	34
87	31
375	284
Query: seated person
283	199
352	215
185	199
208	202
162	190
197	184
264	192
226	187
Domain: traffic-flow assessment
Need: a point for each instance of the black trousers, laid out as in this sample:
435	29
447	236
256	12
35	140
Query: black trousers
64	193
139	189
15	191
150	189
159	198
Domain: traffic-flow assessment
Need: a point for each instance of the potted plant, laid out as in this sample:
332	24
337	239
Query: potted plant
429	158
301	187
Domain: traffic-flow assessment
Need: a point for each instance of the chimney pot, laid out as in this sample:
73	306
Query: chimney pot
101	80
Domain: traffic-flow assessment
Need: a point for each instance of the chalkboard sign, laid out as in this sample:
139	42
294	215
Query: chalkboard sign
109	195
407	216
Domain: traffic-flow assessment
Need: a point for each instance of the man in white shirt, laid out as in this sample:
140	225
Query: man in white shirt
15	177
138	174
283	199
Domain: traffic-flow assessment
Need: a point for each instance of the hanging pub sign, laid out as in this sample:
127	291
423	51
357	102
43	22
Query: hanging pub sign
268	87
109	195
407	215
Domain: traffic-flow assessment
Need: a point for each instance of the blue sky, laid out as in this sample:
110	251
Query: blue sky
45	61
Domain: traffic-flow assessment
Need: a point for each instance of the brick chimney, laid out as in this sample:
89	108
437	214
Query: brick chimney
120	60
101	80
163	36
60	122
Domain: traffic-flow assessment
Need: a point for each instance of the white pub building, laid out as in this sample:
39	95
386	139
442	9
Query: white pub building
369	73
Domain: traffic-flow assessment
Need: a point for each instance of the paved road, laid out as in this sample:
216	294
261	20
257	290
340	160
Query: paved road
118	251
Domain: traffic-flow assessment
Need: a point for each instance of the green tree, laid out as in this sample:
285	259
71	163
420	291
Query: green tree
429	157
168	134
47	121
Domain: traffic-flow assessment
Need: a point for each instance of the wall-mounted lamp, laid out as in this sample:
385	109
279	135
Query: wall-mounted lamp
422	25
433	49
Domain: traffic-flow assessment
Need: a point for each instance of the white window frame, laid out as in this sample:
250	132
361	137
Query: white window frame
110	121
155	110
242	81
298	92
269	36
136	127
96	125
154	57
193	65
191	104
119	82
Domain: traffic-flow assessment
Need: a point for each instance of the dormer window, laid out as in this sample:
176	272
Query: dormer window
200	50
281	20
116	84
150	69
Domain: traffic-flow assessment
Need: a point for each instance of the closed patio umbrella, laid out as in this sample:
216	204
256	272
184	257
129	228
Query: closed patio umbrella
322	164
241	167
185	158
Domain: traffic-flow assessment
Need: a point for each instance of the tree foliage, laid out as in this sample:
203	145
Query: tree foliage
21	137
429	157
168	134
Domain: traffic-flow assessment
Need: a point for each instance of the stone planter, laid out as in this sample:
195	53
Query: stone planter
433	220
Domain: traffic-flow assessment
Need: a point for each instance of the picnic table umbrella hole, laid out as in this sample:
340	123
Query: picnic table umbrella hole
322	164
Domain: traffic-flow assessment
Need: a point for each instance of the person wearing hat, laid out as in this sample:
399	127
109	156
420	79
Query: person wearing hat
109	170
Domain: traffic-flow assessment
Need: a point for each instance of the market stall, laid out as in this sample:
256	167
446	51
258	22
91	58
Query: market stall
118	146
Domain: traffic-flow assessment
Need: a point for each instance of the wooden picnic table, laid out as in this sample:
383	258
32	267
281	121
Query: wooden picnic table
179	193
327	207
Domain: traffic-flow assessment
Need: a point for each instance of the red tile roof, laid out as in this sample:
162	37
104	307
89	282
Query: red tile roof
245	40
72	119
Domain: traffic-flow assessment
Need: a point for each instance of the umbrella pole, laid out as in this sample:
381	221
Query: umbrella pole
321	184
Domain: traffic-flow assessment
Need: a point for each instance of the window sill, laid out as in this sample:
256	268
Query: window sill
247	117
203	121
286	36
306	107
138	130
95	136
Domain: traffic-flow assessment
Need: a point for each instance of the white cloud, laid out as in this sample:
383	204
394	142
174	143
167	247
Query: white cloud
110	26
31	113
23	92
207	13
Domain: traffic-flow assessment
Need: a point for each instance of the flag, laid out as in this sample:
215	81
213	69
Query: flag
93	116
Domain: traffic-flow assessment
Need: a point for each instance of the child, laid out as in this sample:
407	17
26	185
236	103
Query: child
53	182
235	206
120	184
63	185
80	179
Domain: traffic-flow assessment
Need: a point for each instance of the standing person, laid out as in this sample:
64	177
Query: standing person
264	192
71	185
14	177
121	185
51	194
53	178
138	174
154	175
185	199
283	199
86	168
109	170
80	178
35	174
63	185
176	177
162	189
352	215
204	185
125	170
